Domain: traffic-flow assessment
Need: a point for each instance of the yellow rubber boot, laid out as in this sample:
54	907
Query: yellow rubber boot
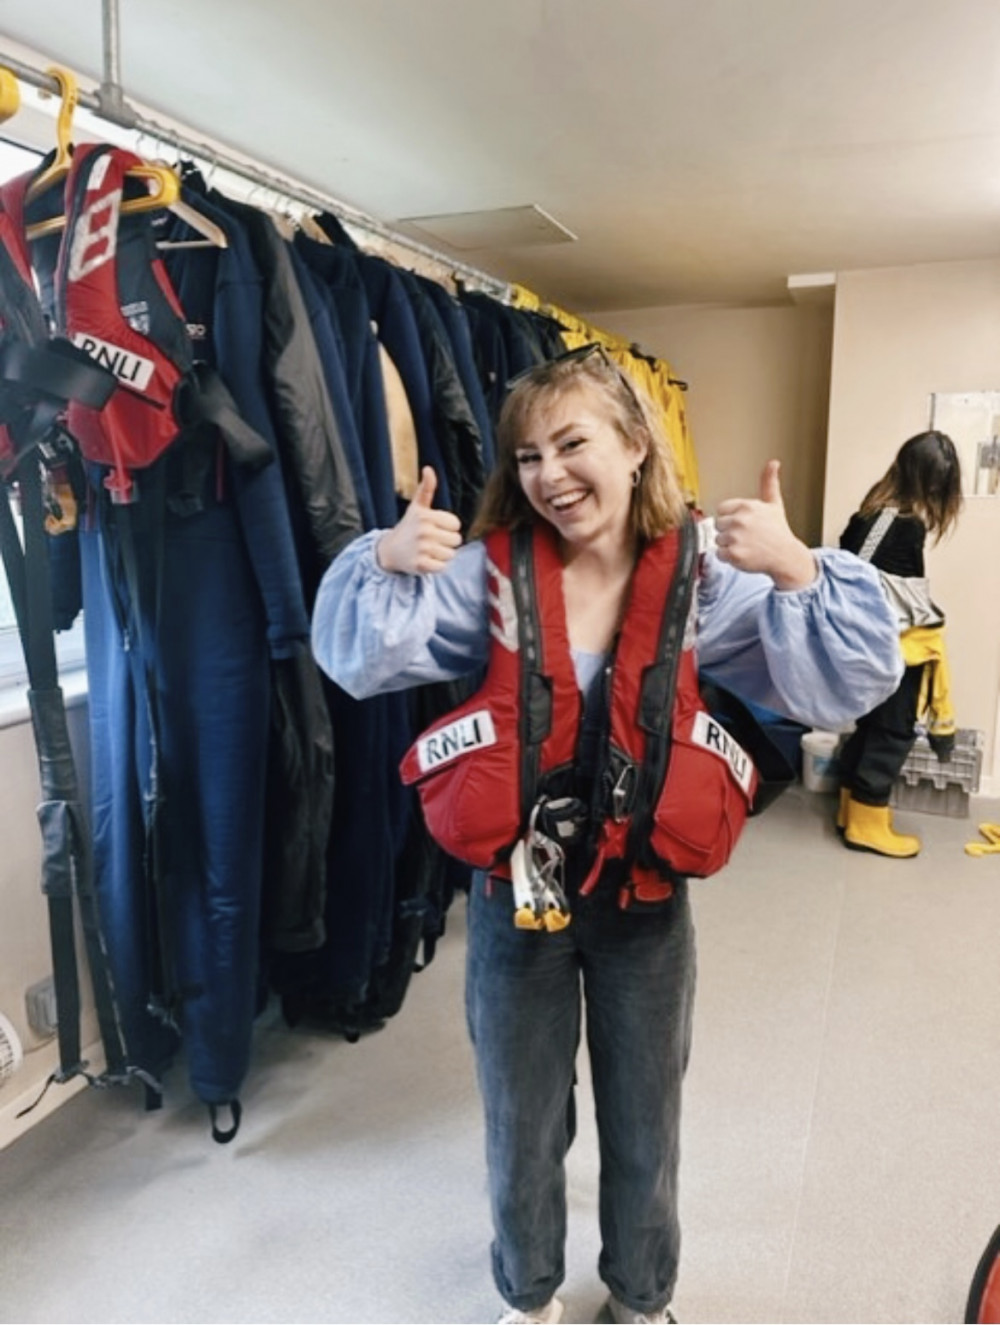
869	828
845	796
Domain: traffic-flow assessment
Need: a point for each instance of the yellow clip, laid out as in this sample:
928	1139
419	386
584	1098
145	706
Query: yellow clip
525	918
552	920
61	518
10	95
555	920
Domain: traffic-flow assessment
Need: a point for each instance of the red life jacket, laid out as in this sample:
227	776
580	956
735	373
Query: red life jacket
38	374
672	787
115	301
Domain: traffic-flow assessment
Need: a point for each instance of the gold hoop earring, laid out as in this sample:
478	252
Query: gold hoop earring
636	477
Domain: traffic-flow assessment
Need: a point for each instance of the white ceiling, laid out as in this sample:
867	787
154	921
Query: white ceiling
702	150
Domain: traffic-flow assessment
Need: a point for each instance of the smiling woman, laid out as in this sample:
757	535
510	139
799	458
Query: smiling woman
586	779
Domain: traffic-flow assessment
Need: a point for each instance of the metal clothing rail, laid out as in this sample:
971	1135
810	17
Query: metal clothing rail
109	104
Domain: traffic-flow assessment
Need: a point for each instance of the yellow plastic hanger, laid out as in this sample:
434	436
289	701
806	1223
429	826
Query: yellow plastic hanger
58	168
165	193
10	95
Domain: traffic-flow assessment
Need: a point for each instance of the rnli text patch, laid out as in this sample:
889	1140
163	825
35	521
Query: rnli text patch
131	369
471	732
711	736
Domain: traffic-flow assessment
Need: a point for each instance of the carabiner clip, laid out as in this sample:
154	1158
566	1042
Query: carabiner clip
622	793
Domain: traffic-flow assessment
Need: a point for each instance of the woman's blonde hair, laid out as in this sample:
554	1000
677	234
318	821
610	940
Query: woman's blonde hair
657	500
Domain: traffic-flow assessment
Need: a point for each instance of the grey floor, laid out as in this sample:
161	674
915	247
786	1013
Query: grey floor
841	1156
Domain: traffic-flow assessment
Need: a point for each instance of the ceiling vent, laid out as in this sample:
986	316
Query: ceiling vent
503	227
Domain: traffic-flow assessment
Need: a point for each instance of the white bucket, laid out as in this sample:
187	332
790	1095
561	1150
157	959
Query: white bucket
820	770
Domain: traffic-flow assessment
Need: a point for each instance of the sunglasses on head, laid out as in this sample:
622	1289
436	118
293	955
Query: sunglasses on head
592	350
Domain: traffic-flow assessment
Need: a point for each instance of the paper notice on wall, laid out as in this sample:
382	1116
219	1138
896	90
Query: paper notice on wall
972	421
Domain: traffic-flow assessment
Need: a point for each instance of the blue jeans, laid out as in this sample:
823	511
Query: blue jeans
523	1003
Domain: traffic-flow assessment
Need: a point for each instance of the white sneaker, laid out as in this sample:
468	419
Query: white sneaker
545	1315
623	1315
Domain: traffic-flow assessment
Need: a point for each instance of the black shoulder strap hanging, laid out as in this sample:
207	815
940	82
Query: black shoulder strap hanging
66	863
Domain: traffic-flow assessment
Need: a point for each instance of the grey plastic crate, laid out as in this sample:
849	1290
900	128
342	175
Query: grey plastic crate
929	786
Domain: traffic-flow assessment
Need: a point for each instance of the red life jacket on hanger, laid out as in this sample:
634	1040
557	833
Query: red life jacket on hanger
38	374
672	788
115	301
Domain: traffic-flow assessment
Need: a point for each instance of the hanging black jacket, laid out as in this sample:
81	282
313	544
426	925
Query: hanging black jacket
303	414
456	324
458	431
334	267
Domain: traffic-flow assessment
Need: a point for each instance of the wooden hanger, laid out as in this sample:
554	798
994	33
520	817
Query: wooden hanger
212	235
312	229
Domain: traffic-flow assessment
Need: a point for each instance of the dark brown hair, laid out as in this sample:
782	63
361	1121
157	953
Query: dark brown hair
657	503
924	480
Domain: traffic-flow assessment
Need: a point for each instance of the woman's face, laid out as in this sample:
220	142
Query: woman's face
576	469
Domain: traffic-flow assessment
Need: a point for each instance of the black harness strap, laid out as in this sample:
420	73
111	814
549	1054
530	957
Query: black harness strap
615	776
536	687
66	863
656	698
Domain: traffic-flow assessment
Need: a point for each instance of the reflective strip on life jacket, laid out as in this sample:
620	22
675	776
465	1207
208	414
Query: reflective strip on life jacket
39	374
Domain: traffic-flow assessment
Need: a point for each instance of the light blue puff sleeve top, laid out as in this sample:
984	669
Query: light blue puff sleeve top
822	655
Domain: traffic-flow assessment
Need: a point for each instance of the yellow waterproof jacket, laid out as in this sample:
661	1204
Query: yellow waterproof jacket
925	644
653	376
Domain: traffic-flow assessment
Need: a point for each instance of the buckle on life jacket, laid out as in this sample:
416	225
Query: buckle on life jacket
623	789
536	872
618	782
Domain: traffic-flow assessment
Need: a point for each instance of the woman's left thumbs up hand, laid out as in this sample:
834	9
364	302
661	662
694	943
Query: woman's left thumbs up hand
753	534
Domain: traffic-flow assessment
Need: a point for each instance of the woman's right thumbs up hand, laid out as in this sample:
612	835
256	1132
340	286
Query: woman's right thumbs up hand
425	539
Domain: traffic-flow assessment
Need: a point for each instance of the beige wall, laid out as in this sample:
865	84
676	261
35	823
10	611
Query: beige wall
833	398
758	381
24	930
901	334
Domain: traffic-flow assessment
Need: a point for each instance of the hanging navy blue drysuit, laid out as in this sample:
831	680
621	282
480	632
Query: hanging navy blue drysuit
185	640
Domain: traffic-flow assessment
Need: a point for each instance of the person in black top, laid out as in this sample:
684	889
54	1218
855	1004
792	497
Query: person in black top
922	490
